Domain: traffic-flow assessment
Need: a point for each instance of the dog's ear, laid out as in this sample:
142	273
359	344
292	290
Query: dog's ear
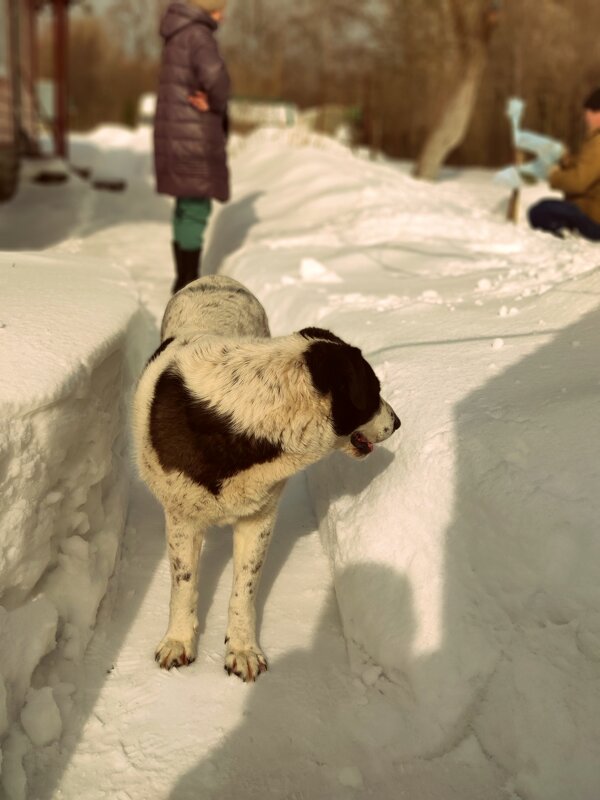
323	363
320	333
356	379
339	367
342	372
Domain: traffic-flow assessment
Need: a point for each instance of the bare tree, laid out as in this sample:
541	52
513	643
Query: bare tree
416	68
474	23
135	24
308	52
105	81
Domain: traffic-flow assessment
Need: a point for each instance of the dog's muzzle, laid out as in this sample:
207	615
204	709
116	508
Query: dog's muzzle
361	444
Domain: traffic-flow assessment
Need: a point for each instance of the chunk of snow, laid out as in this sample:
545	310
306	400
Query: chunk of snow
40	717
314	272
350	777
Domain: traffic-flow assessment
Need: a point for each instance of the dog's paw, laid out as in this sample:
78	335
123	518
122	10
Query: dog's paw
247	663
173	653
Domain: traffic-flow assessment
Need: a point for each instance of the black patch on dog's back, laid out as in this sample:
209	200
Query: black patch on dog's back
191	437
340	370
159	350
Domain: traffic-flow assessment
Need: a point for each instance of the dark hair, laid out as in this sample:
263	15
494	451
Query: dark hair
592	101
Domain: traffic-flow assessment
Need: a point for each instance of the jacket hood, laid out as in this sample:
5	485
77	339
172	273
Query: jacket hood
179	15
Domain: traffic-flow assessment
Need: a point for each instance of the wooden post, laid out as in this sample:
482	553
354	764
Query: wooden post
61	105
15	71
512	214
33	121
33	48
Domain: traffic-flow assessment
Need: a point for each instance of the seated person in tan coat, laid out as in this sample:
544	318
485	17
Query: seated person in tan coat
579	178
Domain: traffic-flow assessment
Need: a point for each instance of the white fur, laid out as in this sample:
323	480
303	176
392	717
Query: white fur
221	330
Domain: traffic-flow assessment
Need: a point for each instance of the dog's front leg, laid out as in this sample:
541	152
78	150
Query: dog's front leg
251	538
184	541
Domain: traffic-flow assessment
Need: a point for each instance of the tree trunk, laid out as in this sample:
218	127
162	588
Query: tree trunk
452	126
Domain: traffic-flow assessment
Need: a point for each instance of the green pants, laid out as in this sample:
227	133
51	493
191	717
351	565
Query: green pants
190	218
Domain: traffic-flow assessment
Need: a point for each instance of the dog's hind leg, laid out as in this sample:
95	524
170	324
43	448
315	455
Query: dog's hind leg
251	537
184	541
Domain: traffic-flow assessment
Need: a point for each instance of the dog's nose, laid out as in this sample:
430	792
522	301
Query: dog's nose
397	422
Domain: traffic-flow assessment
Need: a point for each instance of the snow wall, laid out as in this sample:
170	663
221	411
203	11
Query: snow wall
464	550
64	477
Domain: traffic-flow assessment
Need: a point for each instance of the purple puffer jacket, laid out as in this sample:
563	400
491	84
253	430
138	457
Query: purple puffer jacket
190	158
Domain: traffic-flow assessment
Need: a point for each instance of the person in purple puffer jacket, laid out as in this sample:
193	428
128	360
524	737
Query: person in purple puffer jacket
190	126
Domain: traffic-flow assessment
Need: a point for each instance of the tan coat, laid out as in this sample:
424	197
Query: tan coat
580	178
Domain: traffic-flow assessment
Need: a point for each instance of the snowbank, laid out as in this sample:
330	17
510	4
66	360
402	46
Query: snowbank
67	356
113	153
483	508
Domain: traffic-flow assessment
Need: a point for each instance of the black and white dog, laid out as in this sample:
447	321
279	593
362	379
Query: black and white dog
223	415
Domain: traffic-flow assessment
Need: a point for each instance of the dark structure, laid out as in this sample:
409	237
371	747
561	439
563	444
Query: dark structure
19	116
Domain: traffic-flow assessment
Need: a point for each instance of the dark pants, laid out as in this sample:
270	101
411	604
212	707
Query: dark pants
556	216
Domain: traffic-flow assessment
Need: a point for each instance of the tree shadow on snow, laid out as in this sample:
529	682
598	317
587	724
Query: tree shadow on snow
300	729
521	548
522	552
145	553
217	554
229	231
289	527
531	433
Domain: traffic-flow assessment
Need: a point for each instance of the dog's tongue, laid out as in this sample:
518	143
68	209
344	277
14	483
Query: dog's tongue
362	444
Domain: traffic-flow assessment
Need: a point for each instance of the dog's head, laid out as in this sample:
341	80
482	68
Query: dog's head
359	413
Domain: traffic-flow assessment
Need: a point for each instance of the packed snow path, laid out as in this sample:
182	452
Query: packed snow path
309	728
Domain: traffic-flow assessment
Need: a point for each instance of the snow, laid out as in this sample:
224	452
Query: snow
476	526
67	359
40	717
113	152
431	615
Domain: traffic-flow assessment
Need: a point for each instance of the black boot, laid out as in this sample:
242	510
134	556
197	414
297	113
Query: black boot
187	266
